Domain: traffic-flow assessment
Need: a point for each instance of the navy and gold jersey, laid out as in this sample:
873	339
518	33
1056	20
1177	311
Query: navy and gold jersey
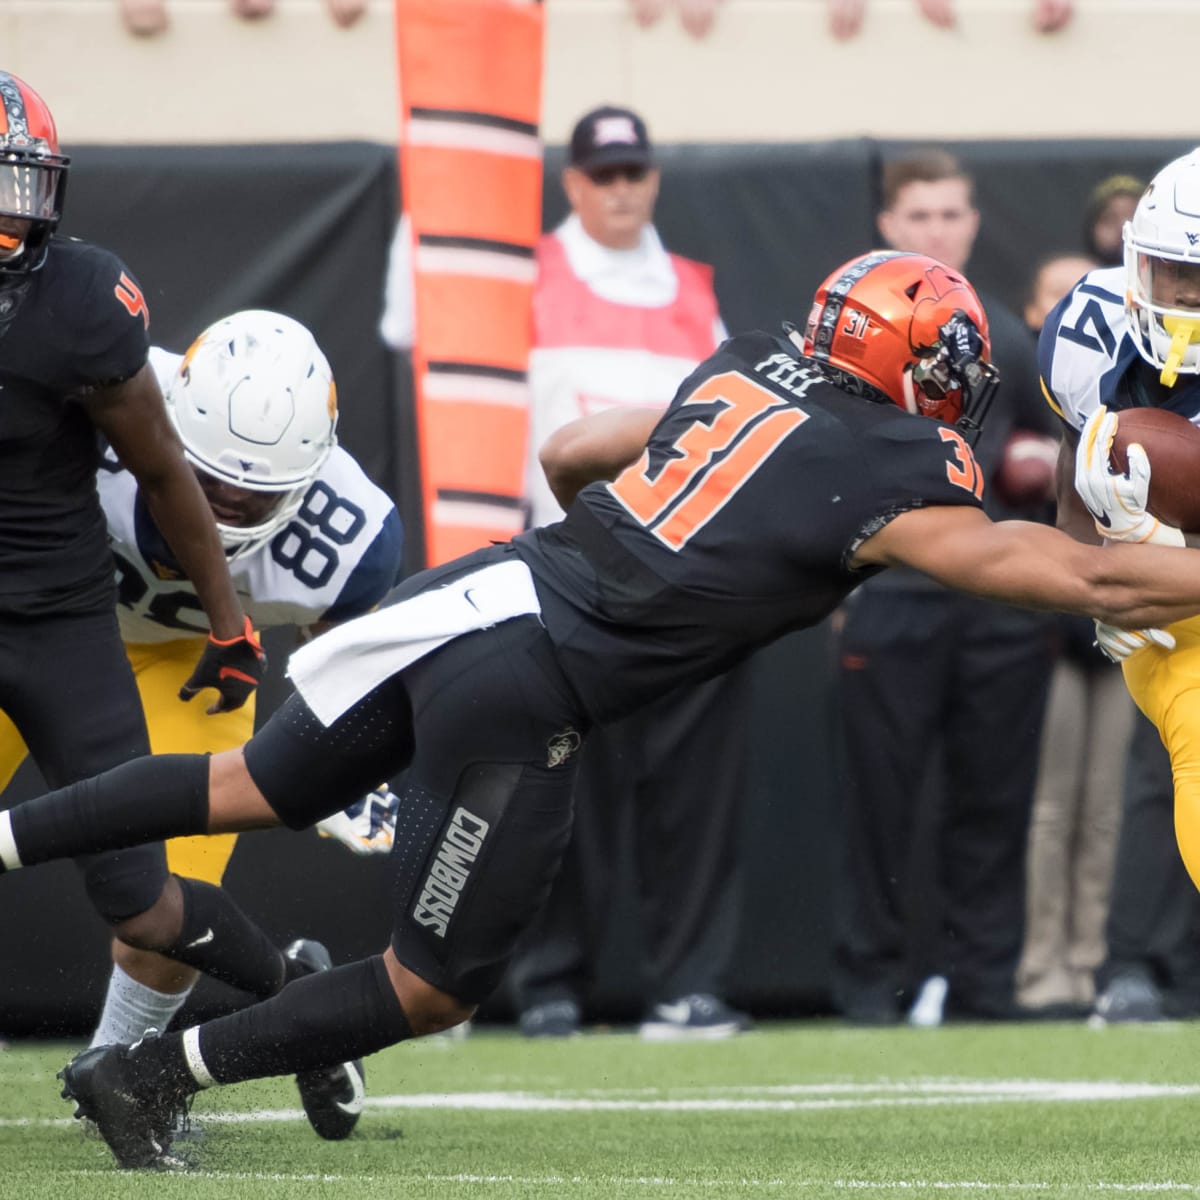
1087	357
736	526
76	325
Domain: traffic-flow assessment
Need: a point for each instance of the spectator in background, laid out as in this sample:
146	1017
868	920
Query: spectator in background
846	16
937	686
1110	204
146	18
696	16
620	322
1077	804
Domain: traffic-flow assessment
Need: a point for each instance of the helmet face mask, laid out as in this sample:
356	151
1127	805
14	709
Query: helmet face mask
255	406
909	328
1162	270
33	177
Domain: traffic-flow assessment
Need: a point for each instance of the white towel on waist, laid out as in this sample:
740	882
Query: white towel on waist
336	670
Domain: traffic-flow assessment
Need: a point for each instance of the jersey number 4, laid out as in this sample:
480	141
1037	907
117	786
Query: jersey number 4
130	295
713	459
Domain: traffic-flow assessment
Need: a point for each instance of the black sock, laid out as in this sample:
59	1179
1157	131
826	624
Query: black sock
319	1021
220	940
146	800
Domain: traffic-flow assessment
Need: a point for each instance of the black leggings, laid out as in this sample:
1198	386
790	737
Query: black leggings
67	686
489	732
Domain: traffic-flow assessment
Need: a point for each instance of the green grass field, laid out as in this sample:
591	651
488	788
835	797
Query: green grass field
807	1110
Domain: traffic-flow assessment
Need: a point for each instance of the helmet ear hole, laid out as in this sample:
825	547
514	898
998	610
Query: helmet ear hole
912	290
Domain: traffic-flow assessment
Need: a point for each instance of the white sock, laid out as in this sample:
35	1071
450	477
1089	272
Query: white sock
132	1009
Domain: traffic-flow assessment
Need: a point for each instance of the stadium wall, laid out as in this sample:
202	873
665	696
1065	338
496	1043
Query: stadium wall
769	71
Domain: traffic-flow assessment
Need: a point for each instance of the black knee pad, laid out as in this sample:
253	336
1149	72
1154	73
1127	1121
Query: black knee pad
123	883
478	873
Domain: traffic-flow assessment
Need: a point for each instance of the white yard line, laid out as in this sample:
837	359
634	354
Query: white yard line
782	1099
908	1186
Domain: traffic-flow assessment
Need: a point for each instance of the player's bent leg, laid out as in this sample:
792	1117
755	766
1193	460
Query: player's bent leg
146	989
1165	685
1180	731
429	1009
336	1016
145	800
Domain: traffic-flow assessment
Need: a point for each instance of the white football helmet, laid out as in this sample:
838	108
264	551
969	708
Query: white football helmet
1162	270
256	407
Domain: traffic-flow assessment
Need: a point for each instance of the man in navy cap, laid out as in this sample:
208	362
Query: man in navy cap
619	321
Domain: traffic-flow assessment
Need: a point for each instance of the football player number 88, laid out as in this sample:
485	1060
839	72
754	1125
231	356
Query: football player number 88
309	557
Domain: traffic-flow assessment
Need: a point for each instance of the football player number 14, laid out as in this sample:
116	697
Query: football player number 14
715	459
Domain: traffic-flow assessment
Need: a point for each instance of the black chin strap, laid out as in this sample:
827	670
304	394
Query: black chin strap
977	404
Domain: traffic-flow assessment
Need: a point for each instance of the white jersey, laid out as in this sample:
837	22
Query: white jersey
335	559
1087	356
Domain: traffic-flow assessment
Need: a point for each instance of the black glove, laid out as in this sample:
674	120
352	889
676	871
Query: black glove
235	668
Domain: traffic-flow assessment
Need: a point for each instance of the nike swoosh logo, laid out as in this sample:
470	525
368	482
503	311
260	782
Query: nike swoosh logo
203	940
354	1105
1105	520
467	598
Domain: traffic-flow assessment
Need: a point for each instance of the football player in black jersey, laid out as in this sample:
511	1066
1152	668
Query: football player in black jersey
785	471
73	363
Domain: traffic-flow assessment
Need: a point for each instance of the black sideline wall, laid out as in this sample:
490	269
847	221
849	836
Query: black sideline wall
305	229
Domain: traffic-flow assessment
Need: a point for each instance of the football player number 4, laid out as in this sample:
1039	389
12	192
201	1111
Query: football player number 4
130	295
715	458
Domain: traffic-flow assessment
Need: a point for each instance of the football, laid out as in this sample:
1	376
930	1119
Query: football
1172	444
1026	474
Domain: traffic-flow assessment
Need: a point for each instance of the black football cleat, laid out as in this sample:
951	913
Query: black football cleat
333	1099
137	1126
332	1096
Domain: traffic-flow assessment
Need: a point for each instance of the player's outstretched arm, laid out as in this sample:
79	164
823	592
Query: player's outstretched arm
596	447
1034	566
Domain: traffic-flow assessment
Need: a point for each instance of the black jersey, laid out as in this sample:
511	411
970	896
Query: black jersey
76	325
737	525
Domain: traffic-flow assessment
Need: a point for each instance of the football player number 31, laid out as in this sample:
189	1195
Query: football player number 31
715	459
964	471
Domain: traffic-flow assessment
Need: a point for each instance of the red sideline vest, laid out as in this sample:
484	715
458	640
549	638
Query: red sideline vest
566	312
591	354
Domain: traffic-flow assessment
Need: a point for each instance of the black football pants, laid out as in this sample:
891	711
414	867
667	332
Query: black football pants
67	686
673	774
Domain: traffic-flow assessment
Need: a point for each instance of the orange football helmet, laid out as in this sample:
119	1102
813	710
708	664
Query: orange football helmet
33	175
910	328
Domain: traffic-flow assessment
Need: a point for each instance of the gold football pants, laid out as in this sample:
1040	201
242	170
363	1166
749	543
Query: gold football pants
175	728
1165	685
